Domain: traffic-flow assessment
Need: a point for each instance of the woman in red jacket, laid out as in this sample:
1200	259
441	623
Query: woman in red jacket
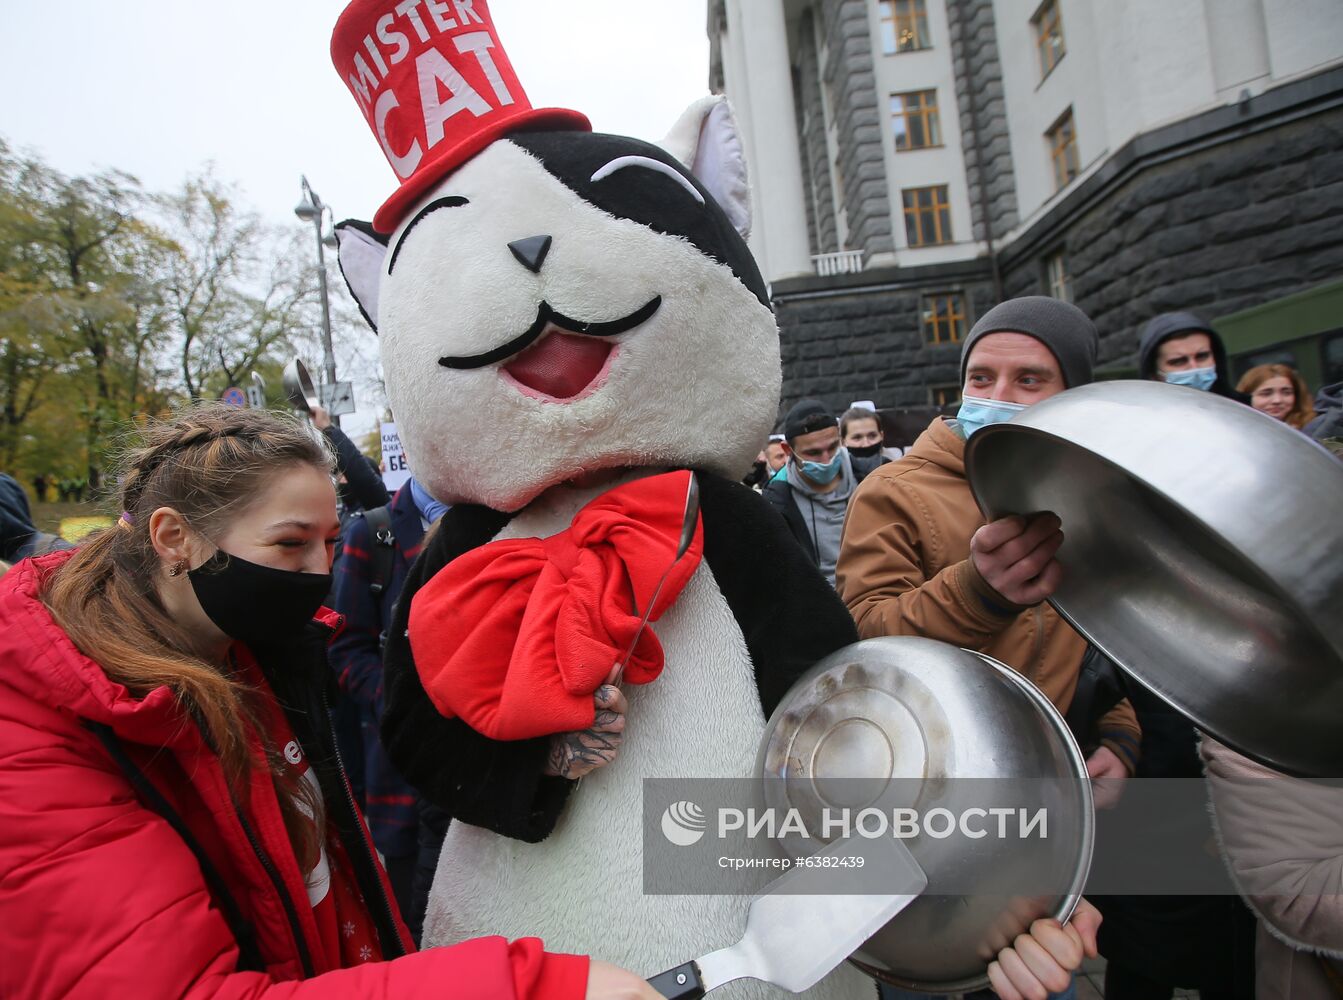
174	820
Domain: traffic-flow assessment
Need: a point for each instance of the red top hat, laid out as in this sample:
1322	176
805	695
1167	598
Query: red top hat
435	86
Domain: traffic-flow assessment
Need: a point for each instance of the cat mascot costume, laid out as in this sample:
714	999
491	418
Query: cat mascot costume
570	323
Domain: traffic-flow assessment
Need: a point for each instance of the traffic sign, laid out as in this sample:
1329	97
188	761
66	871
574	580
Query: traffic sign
337	397
234	396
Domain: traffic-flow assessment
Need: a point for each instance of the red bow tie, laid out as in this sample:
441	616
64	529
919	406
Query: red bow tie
516	636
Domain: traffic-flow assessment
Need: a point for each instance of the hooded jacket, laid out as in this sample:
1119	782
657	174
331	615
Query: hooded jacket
905	569
1162	328
356	657
19	537
99	894
807	511
1328	422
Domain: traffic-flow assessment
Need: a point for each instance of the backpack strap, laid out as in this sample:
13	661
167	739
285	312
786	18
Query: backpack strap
384	547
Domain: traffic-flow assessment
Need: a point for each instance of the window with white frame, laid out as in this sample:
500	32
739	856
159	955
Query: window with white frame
1057	278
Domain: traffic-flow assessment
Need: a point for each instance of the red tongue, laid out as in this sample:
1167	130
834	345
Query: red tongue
560	365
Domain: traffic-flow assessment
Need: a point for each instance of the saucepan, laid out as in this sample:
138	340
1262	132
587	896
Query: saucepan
298	387
1203	554
926	726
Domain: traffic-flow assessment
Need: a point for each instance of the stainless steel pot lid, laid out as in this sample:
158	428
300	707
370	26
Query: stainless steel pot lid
960	728
1203	553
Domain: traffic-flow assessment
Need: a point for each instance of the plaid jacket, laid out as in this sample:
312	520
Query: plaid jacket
356	656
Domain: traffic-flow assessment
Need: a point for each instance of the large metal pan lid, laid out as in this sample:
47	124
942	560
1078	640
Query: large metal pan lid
1203	553
923	724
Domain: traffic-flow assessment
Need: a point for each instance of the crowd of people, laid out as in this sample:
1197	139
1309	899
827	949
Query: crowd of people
191	770
907	548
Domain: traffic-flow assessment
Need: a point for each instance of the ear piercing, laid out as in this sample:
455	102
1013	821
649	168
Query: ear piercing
176	568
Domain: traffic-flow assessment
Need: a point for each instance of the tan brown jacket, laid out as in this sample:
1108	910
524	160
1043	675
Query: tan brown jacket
904	569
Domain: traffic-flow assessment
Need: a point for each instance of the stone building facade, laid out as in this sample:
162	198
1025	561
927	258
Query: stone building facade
1218	199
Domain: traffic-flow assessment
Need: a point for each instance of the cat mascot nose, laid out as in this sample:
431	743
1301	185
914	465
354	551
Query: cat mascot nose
531	252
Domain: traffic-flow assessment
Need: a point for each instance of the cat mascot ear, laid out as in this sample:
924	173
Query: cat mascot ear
361	254
706	141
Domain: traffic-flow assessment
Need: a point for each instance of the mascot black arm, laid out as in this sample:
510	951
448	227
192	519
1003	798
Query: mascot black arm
484	782
789	616
787	612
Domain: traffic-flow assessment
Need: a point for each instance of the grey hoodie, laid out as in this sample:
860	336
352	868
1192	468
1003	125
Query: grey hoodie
1328	422
823	513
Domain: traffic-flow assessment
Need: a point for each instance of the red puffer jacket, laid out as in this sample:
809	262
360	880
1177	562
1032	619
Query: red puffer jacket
101	897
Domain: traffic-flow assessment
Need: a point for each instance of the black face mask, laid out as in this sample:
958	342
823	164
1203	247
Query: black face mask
866	451
257	603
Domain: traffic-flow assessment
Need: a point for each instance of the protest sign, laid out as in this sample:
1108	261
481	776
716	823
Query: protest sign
395	472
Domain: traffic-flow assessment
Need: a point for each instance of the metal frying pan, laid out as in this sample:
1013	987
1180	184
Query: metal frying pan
1203	554
299	388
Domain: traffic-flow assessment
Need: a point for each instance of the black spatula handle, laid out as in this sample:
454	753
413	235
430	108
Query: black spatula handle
680	983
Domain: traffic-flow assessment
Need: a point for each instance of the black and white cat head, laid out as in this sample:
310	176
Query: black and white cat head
566	302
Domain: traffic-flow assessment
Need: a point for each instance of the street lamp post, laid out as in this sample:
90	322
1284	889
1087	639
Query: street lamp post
311	209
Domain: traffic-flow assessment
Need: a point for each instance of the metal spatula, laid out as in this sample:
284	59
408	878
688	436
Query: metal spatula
808	921
688	521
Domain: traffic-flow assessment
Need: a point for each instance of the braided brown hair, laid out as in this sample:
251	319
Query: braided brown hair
208	464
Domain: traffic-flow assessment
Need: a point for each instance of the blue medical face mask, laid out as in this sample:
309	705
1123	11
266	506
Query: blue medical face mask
976	413
1198	378
819	473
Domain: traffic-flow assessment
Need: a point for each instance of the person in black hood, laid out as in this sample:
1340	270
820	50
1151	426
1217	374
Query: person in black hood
1153	943
1182	348
19	537
1328	422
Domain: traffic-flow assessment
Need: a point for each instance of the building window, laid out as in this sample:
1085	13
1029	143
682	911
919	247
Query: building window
1048	36
1057	278
943	318
904	26
944	395
927	216
1062	139
914	120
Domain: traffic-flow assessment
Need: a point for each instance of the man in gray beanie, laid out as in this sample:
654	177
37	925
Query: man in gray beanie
1062	327
917	558
1035	347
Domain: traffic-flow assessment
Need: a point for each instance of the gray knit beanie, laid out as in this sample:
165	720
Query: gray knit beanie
1059	325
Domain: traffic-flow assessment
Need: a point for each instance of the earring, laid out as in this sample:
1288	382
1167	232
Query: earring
177	567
